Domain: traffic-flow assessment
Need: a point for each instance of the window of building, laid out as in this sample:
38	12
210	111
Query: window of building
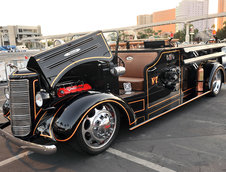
27	30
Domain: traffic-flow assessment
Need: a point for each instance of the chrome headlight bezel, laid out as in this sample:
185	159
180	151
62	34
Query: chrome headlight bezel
39	99
42	98
6	93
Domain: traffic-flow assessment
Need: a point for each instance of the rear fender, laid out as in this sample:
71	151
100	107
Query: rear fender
66	124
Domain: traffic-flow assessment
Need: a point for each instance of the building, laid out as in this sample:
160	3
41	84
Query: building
194	8
144	19
165	15
12	35
221	9
159	17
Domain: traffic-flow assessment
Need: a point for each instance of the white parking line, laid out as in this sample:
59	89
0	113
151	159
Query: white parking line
140	161
121	154
14	158
156	156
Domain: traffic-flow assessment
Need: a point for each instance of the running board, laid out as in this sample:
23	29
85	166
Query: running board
136	126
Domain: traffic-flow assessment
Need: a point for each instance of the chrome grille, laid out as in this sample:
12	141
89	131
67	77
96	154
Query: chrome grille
20	107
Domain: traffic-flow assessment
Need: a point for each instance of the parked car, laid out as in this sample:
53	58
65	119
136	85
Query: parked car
2	49
21	48
78	92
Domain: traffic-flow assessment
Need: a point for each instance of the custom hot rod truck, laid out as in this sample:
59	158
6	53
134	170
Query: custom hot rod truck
78	92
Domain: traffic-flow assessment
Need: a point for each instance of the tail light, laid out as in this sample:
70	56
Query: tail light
73	89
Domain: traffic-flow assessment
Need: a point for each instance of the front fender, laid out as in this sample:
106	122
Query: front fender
66	124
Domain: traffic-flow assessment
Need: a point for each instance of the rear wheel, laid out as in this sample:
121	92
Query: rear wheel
216	83
98	129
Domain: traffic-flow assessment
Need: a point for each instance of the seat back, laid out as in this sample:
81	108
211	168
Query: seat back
136	61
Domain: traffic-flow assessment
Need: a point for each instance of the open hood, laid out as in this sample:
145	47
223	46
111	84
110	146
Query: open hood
53	64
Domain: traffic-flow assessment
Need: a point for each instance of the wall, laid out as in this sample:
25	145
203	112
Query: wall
165	16
221	9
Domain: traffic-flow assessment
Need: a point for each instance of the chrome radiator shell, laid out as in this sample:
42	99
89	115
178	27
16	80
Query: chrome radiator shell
20	108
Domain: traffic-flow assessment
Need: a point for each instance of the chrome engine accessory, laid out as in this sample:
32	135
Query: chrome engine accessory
170	78
118	71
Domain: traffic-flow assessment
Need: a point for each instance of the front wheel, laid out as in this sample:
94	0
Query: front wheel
98	129
216	83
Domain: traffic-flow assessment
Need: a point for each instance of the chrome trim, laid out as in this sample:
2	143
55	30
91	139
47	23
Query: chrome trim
205	57
38	148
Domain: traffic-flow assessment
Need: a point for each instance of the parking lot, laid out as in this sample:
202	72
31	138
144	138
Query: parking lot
7	57
192	138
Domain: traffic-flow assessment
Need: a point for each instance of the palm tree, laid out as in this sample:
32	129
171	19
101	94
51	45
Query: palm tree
213	26
159	31
224	24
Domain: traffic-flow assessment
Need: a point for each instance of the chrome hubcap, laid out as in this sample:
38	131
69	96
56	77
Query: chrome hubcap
217	82
99	126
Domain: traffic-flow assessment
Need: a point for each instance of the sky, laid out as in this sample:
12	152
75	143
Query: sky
71	16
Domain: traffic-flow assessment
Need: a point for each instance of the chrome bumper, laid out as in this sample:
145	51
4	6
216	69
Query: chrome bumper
42	149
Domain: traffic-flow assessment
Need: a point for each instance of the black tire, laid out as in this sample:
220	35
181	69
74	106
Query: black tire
216	83
98	129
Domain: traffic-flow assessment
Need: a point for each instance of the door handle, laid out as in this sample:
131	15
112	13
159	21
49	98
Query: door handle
152	70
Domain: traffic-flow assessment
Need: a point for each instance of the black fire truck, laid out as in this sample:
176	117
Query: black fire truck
78	92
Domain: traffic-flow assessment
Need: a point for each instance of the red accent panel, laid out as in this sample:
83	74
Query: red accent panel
73	89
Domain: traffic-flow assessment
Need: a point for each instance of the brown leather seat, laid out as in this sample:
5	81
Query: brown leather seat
134	64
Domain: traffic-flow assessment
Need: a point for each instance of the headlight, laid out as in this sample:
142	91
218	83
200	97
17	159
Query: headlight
6	92
41	98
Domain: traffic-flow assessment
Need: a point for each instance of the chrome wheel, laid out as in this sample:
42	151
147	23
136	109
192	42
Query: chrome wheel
217	81
99	126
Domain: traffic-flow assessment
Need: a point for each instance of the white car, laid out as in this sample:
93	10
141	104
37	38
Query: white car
21	48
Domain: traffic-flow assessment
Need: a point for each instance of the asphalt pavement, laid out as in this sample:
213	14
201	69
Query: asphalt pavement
189	139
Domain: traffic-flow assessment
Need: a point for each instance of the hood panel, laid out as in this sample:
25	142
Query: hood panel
55	63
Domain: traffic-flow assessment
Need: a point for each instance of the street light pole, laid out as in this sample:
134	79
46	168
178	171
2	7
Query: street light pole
1	39
187	37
